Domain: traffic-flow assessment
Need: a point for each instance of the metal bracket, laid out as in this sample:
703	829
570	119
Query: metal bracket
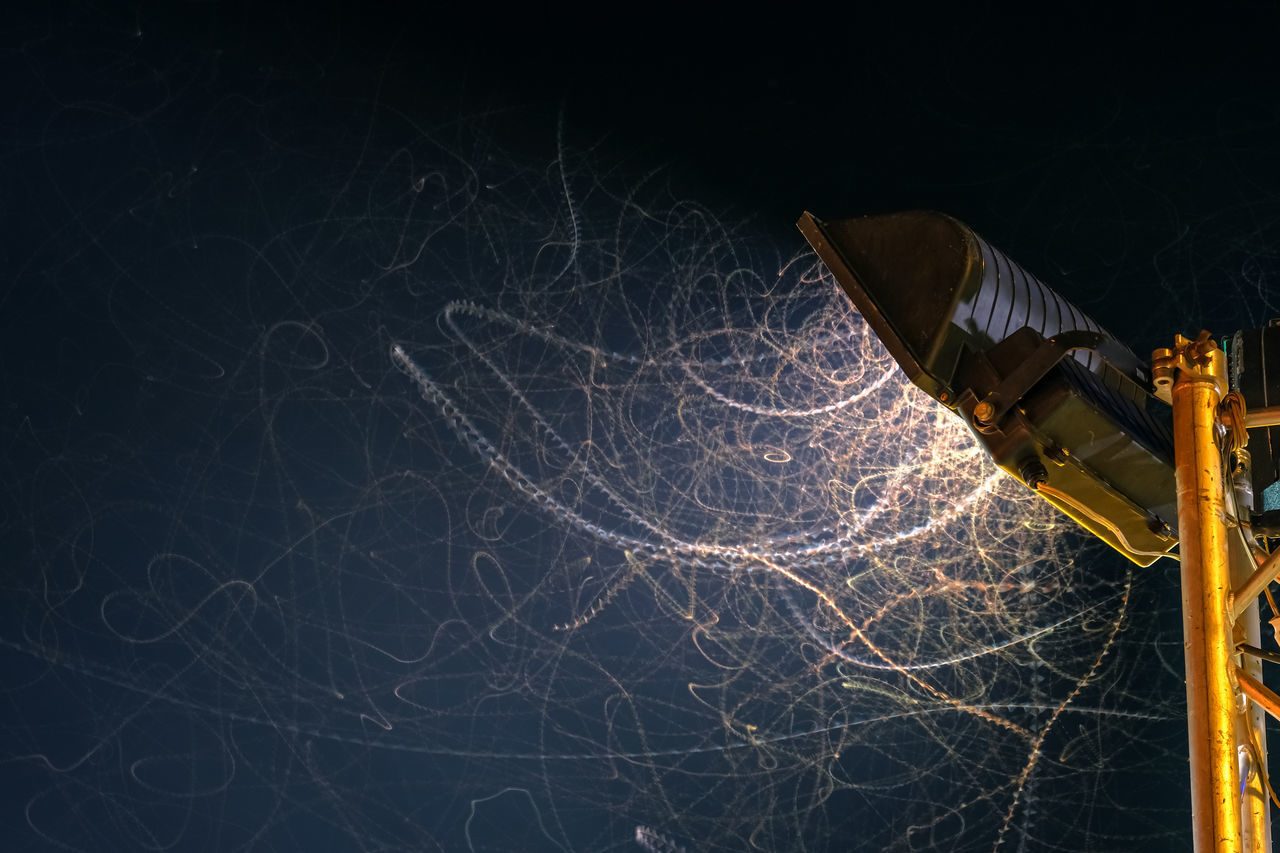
988	413
1200	357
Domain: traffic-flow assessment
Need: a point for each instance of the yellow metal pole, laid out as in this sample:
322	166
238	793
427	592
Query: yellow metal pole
1255	690
1251	730
1206	582
1251	717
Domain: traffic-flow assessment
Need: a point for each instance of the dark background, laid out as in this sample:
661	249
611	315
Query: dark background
1130	149
1131	158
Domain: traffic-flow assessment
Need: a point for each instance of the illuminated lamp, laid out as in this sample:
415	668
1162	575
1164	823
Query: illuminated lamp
1077	417
1056	401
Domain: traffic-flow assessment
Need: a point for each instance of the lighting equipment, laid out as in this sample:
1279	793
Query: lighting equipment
1125	449
1056	401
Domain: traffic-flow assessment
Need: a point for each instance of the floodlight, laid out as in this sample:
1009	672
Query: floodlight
1056	401
1076	416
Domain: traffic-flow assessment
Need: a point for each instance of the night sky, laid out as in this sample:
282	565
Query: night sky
267	588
